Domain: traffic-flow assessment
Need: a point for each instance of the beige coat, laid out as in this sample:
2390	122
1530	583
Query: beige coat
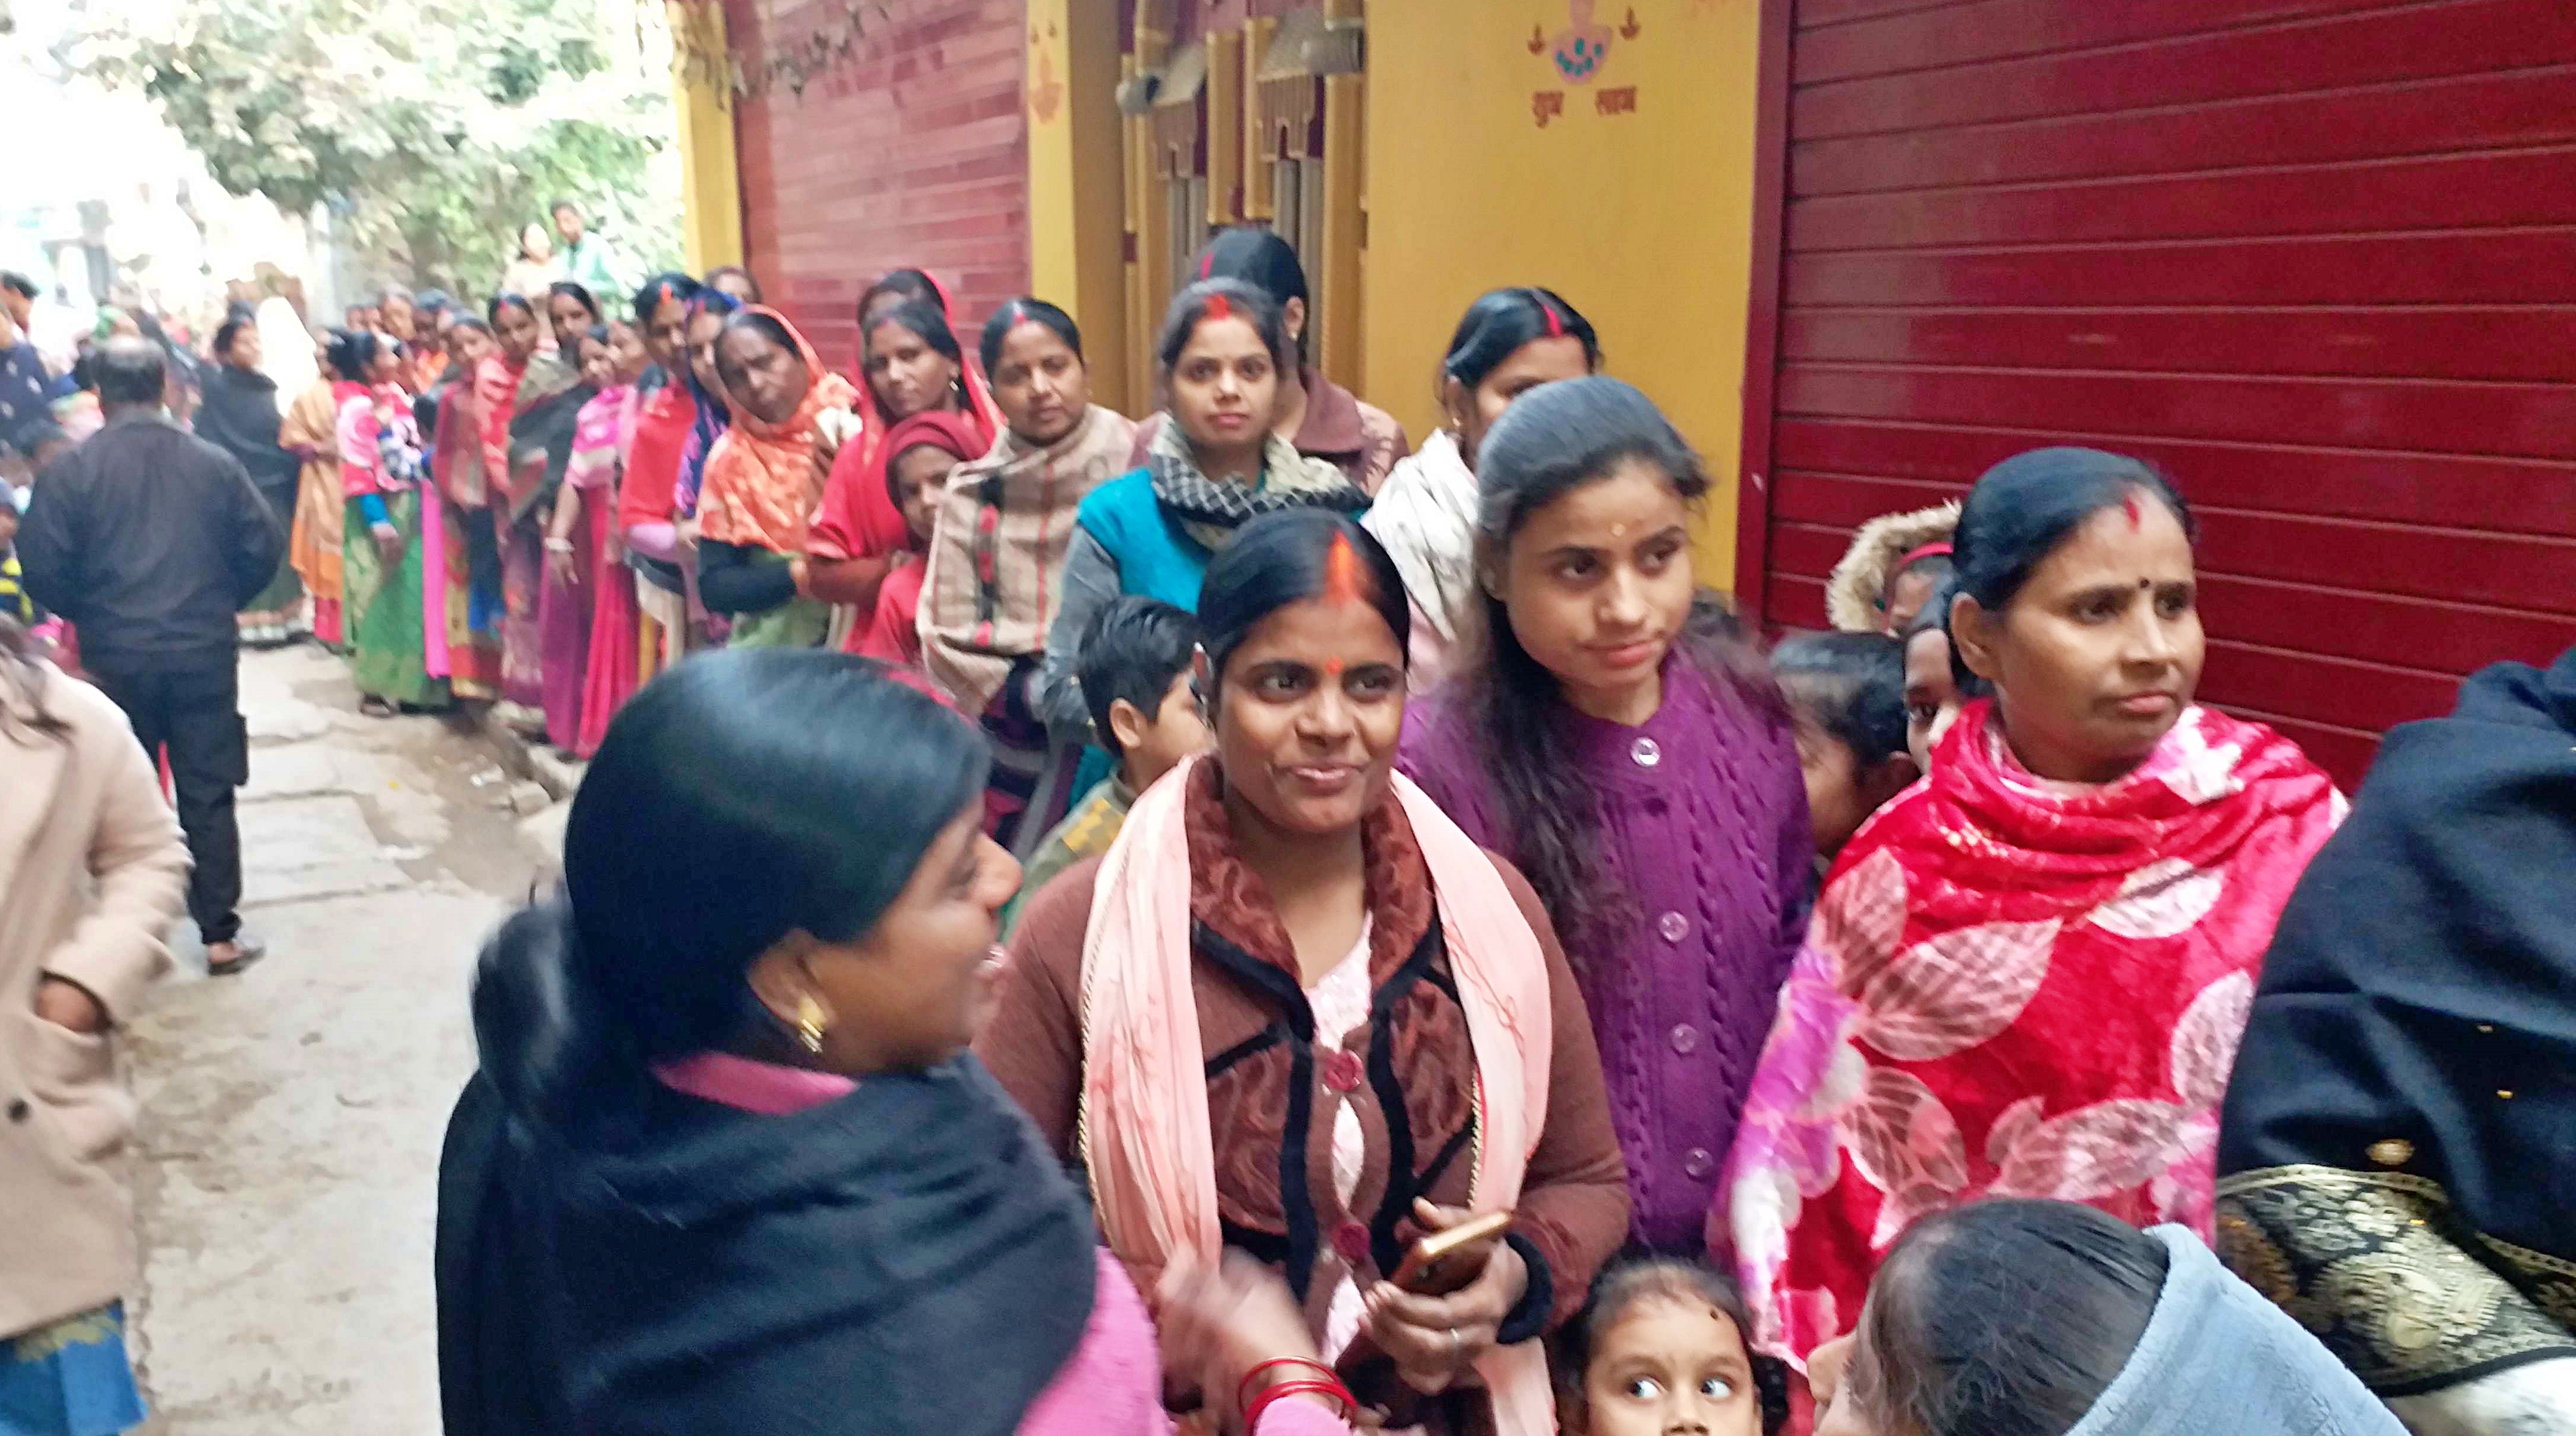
92	873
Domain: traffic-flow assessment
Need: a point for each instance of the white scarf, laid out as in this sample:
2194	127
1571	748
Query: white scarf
1426	518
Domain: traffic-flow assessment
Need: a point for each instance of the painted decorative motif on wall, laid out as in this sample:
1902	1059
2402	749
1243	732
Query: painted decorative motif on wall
1576	54
1046	91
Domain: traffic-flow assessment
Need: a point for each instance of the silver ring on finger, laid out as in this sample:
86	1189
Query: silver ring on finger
1457	1346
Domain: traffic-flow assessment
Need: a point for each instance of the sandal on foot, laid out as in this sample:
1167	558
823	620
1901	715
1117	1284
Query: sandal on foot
246	950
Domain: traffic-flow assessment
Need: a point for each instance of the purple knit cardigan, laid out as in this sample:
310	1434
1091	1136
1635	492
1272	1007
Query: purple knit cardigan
1704	823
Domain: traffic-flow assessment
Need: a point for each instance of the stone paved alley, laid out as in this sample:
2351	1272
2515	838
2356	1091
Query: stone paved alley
288	1151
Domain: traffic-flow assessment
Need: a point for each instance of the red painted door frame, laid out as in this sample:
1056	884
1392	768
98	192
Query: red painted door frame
1762	313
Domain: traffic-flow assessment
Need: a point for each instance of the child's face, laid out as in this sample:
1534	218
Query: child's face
1670	1365
1835	804
1931	694
1172	732
8	518
913	481
1905	599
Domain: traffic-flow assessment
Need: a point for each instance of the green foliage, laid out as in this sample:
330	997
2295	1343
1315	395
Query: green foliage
433	129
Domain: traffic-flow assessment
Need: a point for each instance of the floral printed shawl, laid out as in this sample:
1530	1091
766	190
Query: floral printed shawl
2014	988
761	488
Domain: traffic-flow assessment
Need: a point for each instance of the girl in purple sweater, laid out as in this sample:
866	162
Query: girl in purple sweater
1612	734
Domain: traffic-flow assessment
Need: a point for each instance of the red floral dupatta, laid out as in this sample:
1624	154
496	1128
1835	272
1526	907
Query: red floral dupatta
2014	988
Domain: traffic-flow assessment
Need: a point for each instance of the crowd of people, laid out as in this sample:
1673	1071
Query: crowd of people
1147	892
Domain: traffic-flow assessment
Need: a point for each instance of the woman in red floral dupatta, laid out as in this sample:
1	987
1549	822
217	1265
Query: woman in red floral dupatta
2028	975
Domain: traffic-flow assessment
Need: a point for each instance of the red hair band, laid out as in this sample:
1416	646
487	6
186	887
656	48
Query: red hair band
1936	549
1218	307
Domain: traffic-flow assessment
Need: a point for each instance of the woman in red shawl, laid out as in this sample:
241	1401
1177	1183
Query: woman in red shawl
2027	976
911	363
758	494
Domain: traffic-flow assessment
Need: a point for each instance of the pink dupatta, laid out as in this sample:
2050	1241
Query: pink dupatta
1144	1126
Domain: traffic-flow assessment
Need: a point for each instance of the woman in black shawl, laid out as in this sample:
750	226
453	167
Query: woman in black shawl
2399	1144
240	416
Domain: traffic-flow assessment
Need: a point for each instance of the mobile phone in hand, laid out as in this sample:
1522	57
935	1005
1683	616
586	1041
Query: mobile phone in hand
1447	1260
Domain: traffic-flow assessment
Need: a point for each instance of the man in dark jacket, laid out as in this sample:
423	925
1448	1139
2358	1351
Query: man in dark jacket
149	540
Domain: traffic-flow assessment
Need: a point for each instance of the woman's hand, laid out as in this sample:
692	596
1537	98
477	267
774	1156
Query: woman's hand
1434	1339
684	532
560	562
389	543
68	1005
1220	1322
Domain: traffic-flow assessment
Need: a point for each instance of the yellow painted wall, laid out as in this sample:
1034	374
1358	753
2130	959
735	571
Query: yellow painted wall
1077	216
710	185
1642	220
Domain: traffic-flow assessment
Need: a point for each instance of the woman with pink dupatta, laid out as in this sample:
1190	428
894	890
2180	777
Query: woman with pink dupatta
584	616
1290	950
2028	975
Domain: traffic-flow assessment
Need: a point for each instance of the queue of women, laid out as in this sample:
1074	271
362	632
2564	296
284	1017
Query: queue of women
1853	1037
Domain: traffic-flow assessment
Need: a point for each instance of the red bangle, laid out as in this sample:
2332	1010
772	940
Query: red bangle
1243	1388
1286	1389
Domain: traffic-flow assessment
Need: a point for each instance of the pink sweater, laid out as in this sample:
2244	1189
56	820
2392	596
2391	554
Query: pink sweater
1112	1385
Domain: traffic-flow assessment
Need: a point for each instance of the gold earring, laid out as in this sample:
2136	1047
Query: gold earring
810	1023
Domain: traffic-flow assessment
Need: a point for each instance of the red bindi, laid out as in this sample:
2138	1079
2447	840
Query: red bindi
1332	668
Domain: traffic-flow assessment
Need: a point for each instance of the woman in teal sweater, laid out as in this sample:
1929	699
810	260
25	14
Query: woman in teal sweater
1213	467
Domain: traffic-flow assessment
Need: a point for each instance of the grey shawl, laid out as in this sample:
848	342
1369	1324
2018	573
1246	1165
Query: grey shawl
2217	1359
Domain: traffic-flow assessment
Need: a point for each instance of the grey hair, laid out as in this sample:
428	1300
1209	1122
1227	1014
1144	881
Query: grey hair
130	370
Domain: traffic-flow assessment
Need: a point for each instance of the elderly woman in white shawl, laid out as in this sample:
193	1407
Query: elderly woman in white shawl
1511	341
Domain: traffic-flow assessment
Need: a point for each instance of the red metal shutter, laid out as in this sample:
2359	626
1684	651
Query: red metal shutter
2315	258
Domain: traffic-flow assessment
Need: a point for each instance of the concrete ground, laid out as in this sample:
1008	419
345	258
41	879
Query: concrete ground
288	1153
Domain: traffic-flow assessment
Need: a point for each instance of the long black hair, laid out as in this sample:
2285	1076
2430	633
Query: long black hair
1284	558
1553	440
2022	509
742	796
1501	321
2004	1318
